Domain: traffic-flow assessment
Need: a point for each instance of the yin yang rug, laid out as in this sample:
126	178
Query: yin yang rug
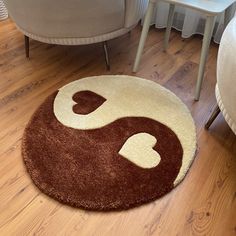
109	143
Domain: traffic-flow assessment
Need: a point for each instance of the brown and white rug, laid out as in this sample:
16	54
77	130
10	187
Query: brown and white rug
109	142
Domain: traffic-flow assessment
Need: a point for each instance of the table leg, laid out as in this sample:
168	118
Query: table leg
210	21
143	37
169	24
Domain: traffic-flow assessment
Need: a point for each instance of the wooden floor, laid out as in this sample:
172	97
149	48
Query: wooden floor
203	204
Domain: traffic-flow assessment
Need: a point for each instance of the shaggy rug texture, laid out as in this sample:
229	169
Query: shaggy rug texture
109	142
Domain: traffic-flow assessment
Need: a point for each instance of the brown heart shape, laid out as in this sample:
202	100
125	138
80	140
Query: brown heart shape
87	102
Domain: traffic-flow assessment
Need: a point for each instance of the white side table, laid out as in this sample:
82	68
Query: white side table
210	8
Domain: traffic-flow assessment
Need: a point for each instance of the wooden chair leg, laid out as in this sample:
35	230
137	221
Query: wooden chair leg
210	21
213	116
106	55
26	46
144	34
169	24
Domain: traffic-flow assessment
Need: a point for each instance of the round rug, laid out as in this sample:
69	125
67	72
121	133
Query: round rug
109	142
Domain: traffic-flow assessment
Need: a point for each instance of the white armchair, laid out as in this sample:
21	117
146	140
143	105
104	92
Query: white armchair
74	22
226	78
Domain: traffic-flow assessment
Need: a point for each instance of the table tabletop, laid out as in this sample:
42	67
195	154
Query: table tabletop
208	6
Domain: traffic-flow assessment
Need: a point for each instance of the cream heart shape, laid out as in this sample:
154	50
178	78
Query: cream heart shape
139	149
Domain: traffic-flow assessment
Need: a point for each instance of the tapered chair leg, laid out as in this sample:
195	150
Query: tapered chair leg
210	21
169	24
213	116
26	46
105	47
144	33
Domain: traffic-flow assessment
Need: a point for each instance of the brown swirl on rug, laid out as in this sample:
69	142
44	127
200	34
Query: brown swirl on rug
82	168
